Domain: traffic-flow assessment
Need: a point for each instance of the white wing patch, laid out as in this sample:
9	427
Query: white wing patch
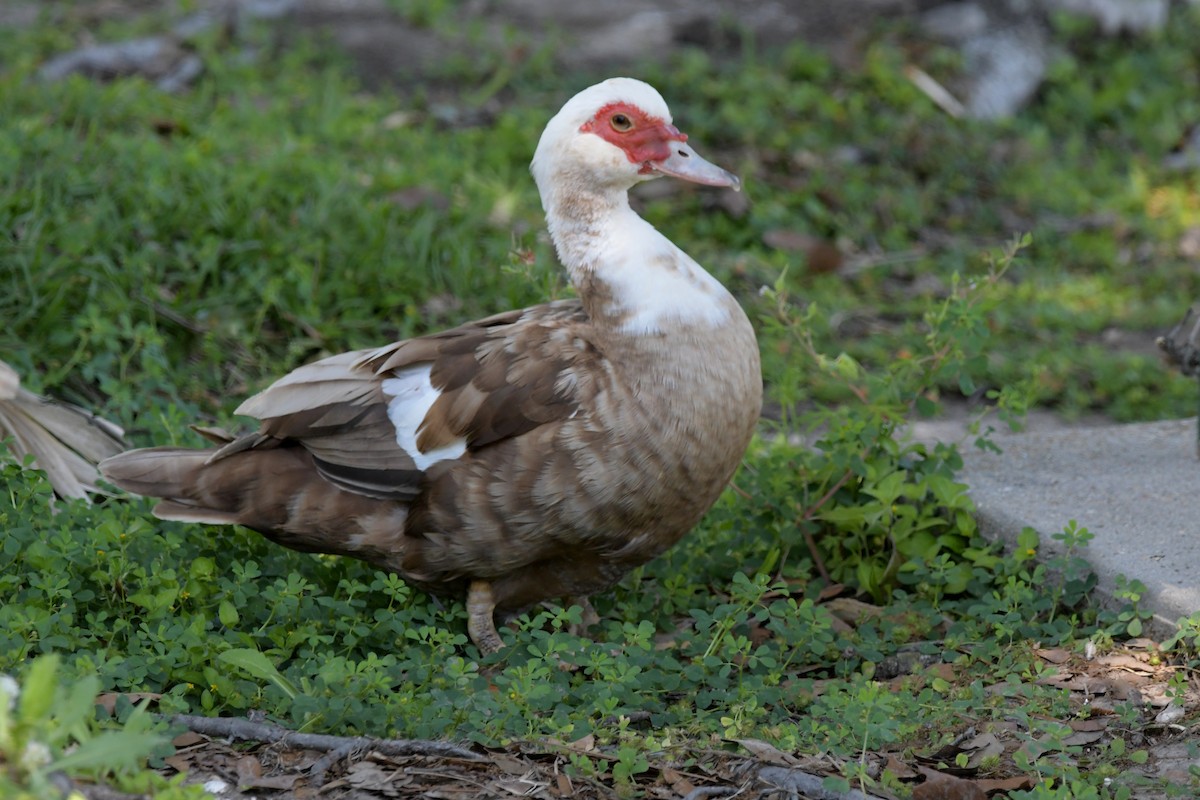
412	395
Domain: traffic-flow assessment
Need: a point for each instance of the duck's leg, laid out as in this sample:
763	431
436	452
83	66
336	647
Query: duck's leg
590	617
481	625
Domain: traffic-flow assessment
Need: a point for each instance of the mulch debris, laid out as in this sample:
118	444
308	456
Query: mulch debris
240	758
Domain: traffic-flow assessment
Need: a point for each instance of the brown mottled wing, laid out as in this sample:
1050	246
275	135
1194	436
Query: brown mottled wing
498	377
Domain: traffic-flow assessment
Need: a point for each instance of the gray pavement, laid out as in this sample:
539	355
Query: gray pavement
1136	488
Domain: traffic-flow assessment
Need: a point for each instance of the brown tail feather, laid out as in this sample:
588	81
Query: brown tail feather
277	491
171	473
154	471
175	511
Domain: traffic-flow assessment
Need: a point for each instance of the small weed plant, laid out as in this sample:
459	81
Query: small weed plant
51	728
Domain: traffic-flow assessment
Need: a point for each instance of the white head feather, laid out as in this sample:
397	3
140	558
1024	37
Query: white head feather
564	151
584	182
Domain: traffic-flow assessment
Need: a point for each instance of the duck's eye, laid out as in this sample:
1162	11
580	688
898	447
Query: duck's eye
621	123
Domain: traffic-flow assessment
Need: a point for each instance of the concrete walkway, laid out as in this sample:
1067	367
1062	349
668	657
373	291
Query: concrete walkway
1136	488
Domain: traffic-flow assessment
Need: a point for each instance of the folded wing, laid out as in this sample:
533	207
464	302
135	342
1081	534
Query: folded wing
375	420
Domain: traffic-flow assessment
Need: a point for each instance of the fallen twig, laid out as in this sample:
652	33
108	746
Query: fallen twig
244	729
935	91
807	784
316	773
701	792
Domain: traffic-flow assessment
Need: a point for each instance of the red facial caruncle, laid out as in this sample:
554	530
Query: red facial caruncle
644	138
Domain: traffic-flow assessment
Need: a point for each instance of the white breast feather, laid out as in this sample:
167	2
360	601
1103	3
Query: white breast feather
658	297
657	283
412	395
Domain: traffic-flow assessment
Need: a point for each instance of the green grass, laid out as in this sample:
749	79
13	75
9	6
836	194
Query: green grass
163	257
273	188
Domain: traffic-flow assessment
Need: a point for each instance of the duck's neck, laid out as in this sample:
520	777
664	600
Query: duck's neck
630	277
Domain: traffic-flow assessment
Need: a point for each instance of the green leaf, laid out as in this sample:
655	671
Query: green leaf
109	751
155	602
888	488
203	568
260	667
228	614
75	710
37	695
925	406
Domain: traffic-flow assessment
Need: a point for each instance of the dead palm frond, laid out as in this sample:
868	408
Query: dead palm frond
66	441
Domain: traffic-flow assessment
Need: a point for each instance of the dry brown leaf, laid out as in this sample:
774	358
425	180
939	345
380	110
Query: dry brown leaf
248	770
1002	689
283	782
667	640
940	786
942	670
982	746
899	769
767	752
852	611
1080	738
1123	689
997	786
108	700
1090	724
832	590
521	787
367	776
1056	678
179	763
1046	743
678	782
1087	683
188	739
1126	662
945	757
1100	705
512	766
565	789
1055	655
758	635
819	685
